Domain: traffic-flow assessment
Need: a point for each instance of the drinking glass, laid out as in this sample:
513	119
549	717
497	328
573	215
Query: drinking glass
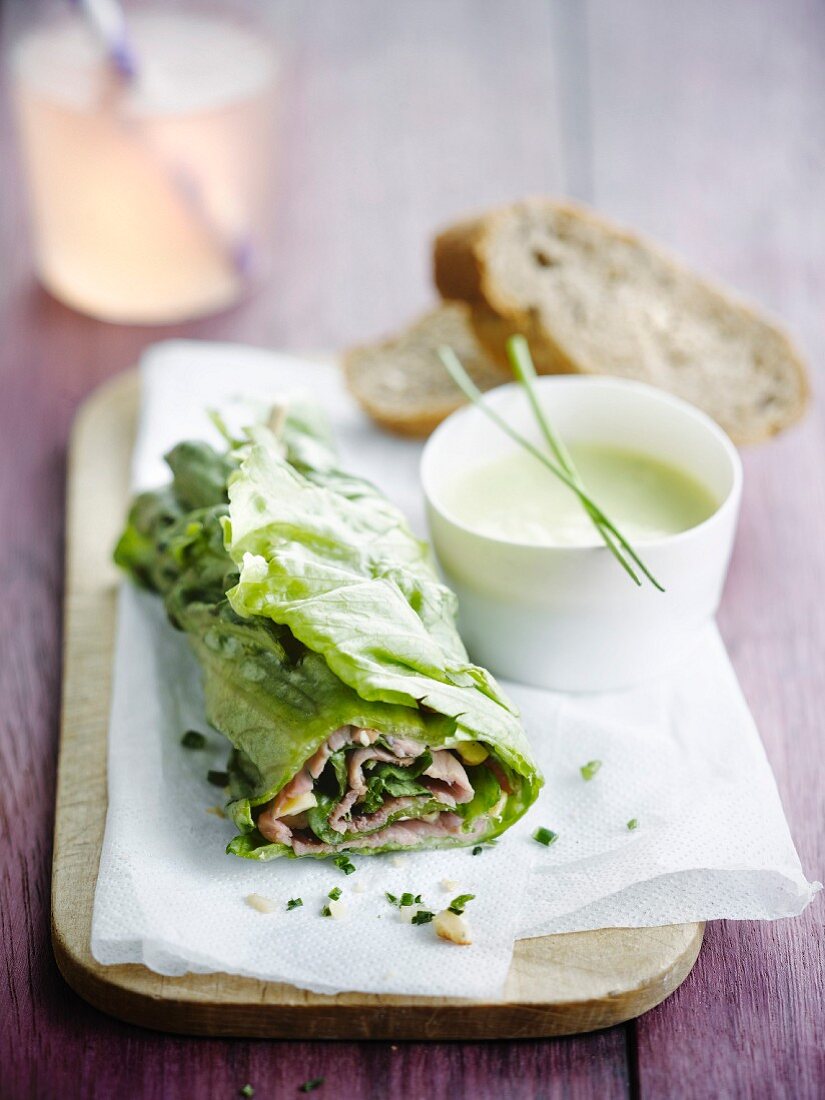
148	137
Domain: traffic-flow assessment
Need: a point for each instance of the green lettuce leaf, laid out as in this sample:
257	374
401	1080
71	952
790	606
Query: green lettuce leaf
311	606
351	581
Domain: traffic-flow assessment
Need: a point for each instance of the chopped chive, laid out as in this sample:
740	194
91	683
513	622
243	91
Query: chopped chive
247	1090
477	850
345	864
218	779
334	893
633	824
545	836
193	740
391	898
589	769
294	903
311	1085
423	916
457	904
409	899
326	911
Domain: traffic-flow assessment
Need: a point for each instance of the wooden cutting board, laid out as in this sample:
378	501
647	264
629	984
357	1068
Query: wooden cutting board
557	985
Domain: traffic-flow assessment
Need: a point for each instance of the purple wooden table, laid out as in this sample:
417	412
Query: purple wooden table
701	123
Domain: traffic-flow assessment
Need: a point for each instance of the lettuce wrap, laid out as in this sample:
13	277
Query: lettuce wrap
329	652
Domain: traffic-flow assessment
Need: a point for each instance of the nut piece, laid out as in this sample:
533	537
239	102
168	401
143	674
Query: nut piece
450	926
260	903
450	885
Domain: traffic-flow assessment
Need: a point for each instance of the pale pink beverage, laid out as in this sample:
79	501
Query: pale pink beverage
151	195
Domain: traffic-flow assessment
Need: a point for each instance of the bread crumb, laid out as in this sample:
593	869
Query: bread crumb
337	909
216	810
261	904
452	927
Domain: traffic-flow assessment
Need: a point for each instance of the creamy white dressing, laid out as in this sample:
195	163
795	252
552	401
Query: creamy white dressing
515	497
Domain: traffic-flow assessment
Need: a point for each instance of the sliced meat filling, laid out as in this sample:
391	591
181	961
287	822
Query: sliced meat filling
401	834
360	821
447	779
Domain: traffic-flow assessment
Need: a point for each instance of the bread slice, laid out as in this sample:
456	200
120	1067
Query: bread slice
402	383
593	298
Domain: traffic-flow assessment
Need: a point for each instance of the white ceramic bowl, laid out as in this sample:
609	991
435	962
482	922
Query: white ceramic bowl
569	617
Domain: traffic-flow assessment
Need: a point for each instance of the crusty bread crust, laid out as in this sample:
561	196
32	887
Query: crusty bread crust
458	261
464	269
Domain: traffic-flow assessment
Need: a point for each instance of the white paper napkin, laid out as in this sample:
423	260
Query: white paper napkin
681	756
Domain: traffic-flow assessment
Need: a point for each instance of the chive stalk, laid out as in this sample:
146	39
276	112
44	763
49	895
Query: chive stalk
563	467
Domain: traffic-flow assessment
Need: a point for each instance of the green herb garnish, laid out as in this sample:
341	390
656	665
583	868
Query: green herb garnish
519	354
193	740
334	893
311	1085
477	850
326	911
247	1090
295	903
633	824
457	904
218	779
406	899
345	864
589	769
423	916
394	781
545	836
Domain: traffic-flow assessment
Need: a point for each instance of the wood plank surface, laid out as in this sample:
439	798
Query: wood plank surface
706	124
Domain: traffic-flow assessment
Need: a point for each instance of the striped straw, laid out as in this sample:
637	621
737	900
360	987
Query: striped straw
108	21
